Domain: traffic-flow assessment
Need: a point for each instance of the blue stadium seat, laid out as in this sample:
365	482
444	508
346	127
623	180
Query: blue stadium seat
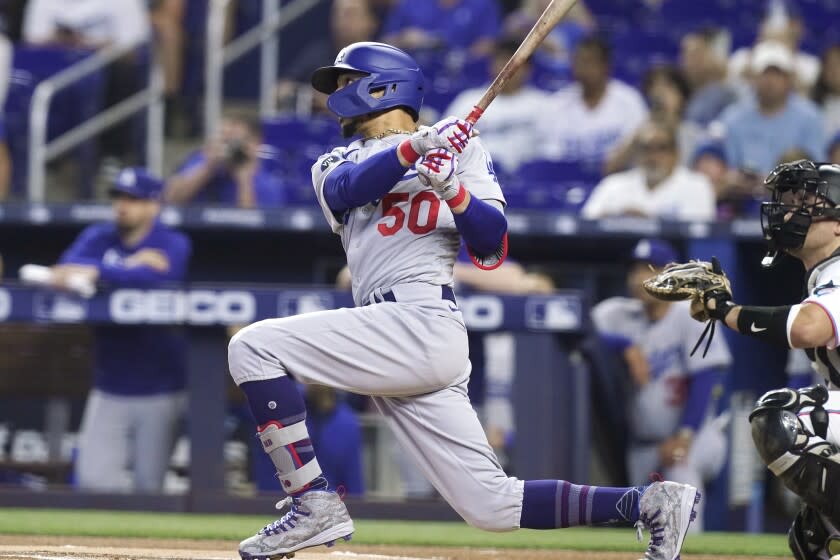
559	185
291	133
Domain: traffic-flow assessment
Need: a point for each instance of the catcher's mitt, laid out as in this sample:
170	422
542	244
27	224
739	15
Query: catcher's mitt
699	281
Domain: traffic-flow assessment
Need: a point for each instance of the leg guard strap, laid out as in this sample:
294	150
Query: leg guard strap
279	442
299	478
276	435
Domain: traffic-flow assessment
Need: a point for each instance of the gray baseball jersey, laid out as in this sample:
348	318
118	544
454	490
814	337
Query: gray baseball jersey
410	235
409	353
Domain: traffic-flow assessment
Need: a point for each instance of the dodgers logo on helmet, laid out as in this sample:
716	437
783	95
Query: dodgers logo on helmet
390	73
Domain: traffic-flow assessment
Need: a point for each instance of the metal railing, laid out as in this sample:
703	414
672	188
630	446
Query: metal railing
151	97
218	55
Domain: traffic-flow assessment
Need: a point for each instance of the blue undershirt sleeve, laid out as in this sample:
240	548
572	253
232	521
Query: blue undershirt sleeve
351	185
482	227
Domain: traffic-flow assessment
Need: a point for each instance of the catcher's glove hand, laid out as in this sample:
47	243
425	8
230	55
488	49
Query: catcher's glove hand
702	282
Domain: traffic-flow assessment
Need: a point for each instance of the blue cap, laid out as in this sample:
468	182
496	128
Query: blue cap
138	183
657	252
709	148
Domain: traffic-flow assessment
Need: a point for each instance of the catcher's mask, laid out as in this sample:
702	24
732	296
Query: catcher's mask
800	192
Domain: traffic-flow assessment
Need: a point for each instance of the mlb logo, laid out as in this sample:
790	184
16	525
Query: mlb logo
553	313
295	303
59	308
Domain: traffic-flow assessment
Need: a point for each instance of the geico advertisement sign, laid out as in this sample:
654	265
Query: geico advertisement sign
196	307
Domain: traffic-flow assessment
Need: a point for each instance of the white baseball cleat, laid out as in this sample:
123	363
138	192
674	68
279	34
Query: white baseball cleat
315	518
666	509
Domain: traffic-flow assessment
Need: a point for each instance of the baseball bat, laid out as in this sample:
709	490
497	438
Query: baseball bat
552	14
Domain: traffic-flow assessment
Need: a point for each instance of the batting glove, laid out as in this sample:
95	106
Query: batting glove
451	134
437	170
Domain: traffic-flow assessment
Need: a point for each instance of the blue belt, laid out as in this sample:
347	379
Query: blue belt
388	295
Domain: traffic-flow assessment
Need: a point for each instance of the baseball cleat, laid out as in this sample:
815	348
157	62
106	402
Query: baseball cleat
666	509
316	518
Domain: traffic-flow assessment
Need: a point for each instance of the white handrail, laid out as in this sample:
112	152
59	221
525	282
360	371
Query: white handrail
41	152
219	55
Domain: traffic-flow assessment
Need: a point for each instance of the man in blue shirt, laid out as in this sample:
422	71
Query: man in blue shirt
232	169
759	131
139	371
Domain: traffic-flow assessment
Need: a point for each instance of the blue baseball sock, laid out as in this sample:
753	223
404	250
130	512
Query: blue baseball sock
278	402
551	504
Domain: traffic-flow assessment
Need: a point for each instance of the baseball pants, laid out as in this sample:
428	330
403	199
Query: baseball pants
411	357
125	442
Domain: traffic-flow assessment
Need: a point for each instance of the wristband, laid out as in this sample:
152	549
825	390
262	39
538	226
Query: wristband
721	310
456	200
407	152
766	323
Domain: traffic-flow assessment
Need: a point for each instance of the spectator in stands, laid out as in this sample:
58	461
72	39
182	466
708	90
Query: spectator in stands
94	24
666	92
553	59
703	63
469	27
167	19
658	187
735	190
833	150
85	23
351	21
140	371
758	131
671	415
508	127
783	24
229	170
595	114
826	92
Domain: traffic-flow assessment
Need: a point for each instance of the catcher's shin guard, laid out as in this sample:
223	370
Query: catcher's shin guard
812	536
807	464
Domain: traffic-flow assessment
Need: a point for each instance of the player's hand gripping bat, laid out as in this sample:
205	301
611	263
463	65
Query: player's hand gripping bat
553	13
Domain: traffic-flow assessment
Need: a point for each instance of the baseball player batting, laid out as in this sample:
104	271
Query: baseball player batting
797	433
401	198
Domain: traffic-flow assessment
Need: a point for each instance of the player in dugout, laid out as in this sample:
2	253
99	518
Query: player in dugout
671	414
139	371
797	432
401	198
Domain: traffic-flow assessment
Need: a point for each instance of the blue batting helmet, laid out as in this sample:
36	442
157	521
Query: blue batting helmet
384	68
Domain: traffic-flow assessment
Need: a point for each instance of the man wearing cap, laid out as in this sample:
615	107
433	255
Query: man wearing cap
139	371
658	187
758	131
672	405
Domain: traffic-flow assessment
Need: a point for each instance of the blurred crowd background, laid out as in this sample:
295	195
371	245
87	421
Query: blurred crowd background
668	109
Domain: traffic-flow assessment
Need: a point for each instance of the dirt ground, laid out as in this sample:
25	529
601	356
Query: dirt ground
82	548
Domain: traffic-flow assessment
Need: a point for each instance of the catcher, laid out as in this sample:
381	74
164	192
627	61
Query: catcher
794	432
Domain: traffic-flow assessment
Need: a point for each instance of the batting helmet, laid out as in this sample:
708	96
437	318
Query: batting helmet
385	68
800	191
